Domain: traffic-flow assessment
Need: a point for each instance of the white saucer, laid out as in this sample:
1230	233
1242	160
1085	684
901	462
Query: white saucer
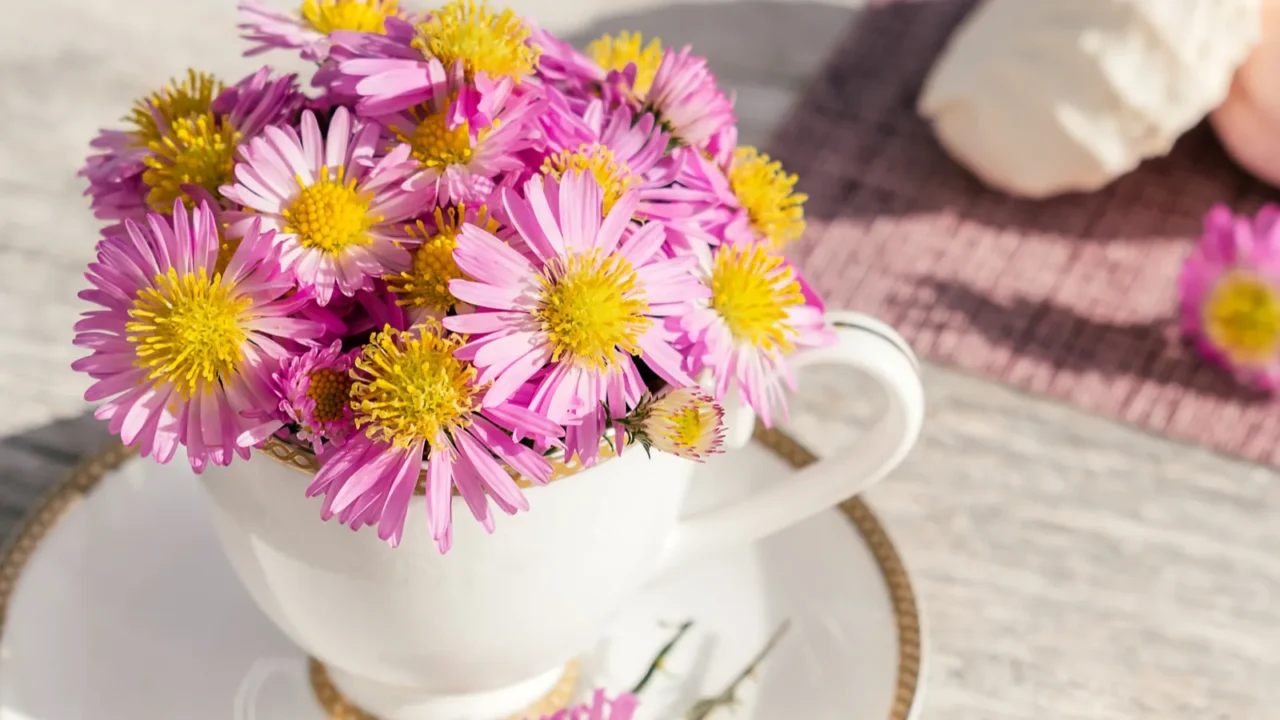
121	606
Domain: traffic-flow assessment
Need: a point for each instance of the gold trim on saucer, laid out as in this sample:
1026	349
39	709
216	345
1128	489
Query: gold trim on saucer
41	520
339	708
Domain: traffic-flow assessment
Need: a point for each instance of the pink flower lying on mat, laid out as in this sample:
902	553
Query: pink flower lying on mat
687	100
314	391
309	28
181	143
756	316
183	353
584	310
415	401
622	707
334	208
1230	288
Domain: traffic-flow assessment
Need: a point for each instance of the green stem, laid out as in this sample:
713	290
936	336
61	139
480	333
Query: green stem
729	695
661	656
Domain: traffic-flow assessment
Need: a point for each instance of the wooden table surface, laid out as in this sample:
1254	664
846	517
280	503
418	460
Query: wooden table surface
1069	567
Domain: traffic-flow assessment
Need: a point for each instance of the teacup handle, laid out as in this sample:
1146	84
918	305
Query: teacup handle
863	343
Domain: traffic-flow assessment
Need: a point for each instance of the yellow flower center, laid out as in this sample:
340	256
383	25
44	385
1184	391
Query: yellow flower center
330	214
198	150
416	389
186	99
1242	317
433	144
752	293
325	16
331	390
589	307
426	283
494	44
616	52
189	330
768	195
613	175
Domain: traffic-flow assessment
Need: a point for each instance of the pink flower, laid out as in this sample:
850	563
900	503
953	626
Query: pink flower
621	150
687	100
685	422
622	707
1230	294
416	401
309	29
756	315
334	207
181	143
463	138
564	66
181	352
314	390
408	66
583	310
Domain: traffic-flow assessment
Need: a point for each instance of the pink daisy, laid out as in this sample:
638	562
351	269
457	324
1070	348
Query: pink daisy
334	207
416	401
621	707
687	100
1230	294
463	139
754	317
584	309
409	64
182	352
622	151
308	30
181	143
314	390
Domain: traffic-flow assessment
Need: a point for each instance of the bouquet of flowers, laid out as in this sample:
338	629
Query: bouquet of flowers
467	247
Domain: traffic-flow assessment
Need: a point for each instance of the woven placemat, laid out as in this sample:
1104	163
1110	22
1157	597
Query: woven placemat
1073	297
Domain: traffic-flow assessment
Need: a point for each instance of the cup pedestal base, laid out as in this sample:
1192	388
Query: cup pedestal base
345	697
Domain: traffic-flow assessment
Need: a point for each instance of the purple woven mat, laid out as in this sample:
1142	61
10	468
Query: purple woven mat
1073	297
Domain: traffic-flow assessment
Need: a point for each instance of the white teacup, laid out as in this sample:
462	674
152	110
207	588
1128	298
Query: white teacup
486	631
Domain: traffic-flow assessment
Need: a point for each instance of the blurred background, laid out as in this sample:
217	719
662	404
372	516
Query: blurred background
1093	513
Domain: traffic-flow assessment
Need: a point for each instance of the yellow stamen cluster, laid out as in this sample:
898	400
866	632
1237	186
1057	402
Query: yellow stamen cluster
152	116
369	16
496	44
752	292
426	284
590	308
684	422
196	150
432	143
1242	317
616	52
768	194
331	391
189	331
413	387
613	175
330	214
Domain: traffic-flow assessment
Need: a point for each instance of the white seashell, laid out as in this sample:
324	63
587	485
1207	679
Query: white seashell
1041	97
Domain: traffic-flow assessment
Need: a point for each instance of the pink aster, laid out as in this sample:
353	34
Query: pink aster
309	28
621	707
168	141
687	99
1230	294
313	389
464	139
334	205
415	401
622	150
755	316
592	302
182	350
